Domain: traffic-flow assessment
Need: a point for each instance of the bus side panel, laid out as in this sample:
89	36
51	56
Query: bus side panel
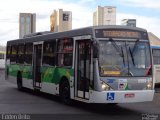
157	73
13	69
27	77
54	75
51	77
27	72
11	73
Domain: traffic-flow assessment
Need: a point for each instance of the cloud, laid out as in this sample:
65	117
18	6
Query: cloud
9	15
81	14
142	3
149	23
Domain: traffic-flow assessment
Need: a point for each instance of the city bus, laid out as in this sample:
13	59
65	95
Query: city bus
97	64
156	63
2	59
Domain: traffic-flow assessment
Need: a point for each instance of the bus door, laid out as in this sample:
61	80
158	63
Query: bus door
82	68
37	62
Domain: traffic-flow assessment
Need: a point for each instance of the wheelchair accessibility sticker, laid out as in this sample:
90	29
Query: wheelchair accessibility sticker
110	96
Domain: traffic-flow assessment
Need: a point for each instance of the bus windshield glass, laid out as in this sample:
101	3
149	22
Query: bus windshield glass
124	58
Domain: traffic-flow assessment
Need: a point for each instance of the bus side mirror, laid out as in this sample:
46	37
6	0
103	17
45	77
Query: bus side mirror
95	50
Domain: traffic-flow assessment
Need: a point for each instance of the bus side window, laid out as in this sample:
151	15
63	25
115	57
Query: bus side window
8	52
65	52
49	49
156	56
20	55
28	53
13	57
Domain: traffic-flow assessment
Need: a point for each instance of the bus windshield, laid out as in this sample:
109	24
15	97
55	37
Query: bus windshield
124	58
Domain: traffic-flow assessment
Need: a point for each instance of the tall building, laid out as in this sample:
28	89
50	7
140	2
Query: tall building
129	22
27	24
104	16
60	21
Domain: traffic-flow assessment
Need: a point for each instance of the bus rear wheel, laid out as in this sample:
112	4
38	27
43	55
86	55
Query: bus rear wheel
19	81
65	92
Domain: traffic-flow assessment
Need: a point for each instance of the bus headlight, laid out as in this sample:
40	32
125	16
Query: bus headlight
104	86
149	84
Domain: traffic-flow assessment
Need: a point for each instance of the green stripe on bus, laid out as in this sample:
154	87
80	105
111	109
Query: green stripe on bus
49	74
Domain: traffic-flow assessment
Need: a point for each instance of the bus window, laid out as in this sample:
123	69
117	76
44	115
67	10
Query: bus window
156	56
20	55
49	49
65	52
13	56
156	64
28	53
8	52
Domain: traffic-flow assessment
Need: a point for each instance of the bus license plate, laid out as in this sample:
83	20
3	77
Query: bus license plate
129	95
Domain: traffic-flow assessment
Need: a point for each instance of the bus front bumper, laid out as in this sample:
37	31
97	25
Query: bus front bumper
121	96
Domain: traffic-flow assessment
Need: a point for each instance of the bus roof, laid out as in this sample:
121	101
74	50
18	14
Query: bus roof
70	33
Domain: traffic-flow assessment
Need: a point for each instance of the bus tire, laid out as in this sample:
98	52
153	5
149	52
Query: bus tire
19	81
64	92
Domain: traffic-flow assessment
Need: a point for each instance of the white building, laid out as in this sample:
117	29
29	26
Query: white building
104	16
129	22
60	21
27	24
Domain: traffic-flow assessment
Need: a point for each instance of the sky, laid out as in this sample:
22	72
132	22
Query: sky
146	12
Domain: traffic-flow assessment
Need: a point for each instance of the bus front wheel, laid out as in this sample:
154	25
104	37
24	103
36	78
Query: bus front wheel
65	92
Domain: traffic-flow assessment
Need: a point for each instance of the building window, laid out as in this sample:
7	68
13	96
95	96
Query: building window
28	30
109	11
65	52
22	30
28	53
22	20
28	25
28	20
65	17
49	51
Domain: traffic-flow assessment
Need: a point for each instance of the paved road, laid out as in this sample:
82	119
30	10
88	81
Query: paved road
46	107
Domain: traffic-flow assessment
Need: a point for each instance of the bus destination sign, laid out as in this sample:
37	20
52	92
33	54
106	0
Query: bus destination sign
103	33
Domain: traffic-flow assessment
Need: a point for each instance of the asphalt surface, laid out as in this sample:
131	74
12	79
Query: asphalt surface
43	106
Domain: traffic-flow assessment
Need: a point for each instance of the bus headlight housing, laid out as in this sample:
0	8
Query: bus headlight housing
149	84
104	86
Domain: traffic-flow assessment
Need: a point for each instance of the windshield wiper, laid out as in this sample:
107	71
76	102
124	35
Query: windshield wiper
134	47
116	46
119	50
132	51
123	56
131	56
